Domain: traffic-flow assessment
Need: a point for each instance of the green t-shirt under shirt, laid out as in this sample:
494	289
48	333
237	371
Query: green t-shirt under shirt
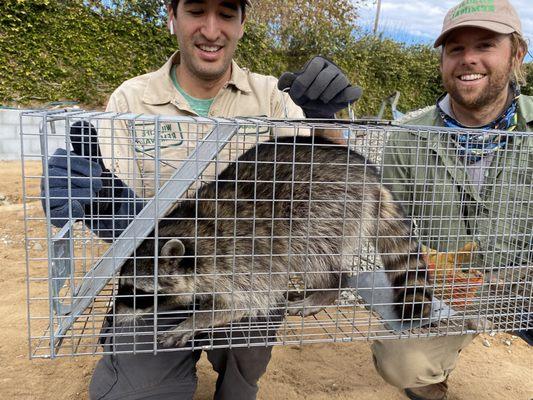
199	106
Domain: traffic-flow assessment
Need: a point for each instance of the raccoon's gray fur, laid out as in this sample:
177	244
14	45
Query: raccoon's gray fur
293	226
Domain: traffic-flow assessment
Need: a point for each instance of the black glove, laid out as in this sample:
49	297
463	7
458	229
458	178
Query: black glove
85	182
320	88
94	191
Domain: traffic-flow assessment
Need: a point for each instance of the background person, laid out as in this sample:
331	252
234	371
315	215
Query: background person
461	188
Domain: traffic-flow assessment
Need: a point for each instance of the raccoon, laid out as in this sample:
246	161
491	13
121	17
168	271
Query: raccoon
289	206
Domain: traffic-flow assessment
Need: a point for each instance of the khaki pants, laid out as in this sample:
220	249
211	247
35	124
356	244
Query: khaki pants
414	363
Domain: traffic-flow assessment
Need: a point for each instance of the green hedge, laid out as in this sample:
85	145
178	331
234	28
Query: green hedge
54	50
382	66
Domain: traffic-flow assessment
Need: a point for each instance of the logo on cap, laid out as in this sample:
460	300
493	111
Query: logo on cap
494	15
473	6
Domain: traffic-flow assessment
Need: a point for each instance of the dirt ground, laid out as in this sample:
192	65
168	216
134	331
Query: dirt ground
497	367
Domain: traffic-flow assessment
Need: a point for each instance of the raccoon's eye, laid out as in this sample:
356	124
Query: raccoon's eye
187	264
135	299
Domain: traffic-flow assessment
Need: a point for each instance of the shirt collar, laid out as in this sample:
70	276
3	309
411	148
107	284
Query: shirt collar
239	78
445	105
160	89
525	109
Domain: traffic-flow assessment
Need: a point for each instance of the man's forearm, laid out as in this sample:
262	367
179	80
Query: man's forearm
334	135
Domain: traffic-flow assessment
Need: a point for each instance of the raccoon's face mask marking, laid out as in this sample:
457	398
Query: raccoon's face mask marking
137	292
140	272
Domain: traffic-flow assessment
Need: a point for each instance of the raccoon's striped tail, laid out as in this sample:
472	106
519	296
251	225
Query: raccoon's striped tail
401	256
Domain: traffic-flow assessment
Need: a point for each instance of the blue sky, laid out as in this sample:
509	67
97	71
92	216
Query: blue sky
420	21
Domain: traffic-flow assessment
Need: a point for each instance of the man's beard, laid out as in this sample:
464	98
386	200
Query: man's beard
497	83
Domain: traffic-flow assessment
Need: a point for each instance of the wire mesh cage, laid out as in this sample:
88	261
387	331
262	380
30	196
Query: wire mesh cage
153	233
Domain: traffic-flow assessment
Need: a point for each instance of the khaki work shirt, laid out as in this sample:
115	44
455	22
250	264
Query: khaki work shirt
128	144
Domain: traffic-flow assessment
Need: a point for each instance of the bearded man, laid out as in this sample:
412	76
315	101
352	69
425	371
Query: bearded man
459	186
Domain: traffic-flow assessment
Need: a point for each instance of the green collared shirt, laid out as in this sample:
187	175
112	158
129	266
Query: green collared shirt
434	187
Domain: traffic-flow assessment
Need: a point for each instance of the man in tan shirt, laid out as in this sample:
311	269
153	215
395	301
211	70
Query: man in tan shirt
200	80
203	80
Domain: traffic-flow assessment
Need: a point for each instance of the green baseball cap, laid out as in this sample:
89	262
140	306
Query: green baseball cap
494	15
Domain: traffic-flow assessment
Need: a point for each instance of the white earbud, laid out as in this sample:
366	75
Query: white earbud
171	27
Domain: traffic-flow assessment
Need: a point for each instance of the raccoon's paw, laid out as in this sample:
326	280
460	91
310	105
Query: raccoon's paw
302	308
312	304
175	338
414	304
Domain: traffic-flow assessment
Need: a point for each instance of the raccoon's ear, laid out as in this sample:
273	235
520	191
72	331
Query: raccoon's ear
173	248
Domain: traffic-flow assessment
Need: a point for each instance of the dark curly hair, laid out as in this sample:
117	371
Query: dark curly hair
174	5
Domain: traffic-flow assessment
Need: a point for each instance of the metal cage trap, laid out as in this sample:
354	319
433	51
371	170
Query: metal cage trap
253	232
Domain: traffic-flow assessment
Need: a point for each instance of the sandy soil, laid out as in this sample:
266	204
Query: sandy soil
502	371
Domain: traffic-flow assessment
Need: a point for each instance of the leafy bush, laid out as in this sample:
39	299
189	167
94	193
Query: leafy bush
53	50
528	89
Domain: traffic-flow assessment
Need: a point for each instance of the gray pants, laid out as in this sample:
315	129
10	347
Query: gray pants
172	375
